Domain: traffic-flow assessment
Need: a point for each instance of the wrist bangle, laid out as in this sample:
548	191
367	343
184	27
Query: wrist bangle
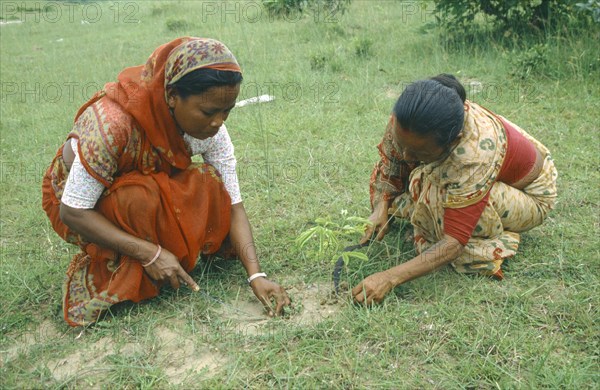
256	275
154	258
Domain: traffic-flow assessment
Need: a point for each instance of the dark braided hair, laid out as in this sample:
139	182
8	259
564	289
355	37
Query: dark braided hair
433	107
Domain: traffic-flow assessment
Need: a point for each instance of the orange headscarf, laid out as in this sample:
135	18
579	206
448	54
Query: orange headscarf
141	90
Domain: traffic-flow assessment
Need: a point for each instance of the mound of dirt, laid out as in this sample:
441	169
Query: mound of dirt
311	304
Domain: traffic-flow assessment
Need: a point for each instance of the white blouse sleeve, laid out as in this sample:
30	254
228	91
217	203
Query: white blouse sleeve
218	151
81	191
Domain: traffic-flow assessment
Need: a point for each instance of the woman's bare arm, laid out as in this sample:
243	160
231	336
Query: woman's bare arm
375	287
95	228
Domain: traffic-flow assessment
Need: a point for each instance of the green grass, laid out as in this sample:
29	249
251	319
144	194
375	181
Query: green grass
306	155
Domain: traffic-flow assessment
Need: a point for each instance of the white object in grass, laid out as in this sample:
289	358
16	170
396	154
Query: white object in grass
3	22
256	99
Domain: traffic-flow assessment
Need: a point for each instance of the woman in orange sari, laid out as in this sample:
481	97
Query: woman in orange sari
124	189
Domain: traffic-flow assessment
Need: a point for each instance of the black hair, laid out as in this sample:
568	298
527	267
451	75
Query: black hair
433	107
450	81
201	80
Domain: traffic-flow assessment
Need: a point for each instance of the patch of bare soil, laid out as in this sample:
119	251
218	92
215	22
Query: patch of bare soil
181	359
311	304
316	302
81	360
24	342
175	354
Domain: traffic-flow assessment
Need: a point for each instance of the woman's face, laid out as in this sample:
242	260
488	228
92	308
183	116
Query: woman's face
417	149
202	115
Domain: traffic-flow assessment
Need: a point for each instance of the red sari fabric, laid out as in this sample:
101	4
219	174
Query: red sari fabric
129	142
187	213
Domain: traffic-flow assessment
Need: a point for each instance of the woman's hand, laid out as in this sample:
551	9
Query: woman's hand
266	291
379	222
241	239
373	288
94	227
168	269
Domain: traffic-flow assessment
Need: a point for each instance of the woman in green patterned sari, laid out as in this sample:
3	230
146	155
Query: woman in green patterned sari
468	180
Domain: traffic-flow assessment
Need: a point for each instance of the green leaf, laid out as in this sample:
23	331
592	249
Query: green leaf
304	237
325	222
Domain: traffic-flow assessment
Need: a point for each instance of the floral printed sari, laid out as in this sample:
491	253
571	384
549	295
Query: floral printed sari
420	194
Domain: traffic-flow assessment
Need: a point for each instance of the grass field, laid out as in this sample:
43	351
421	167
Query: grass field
306	155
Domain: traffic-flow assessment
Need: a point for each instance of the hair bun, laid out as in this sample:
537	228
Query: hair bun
450	81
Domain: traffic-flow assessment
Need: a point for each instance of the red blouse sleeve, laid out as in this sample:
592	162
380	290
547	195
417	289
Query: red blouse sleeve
520	156
460	223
